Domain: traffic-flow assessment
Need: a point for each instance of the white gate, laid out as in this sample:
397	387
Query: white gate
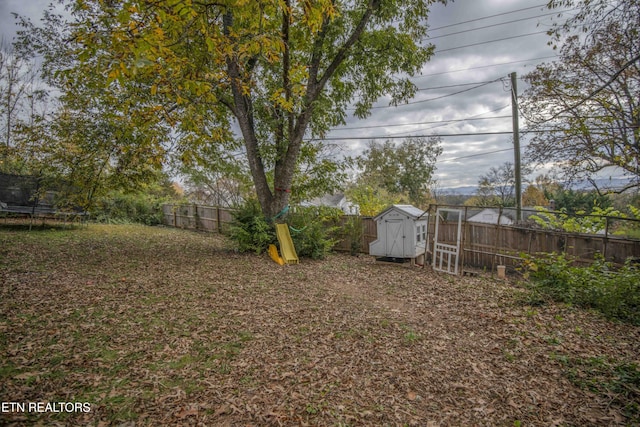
445	255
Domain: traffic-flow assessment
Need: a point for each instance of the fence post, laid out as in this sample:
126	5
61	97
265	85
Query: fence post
364	248
606	238
430	235
218	225
494	258
465	228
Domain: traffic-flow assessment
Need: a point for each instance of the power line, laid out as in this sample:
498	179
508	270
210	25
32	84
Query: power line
438	124
447	87
436	98
450	86
436	135
490	41
445	124
421	123
487	17
475	155
499	24
415	136
487	66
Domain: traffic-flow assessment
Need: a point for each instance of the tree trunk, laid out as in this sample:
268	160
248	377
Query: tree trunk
242	108
273	202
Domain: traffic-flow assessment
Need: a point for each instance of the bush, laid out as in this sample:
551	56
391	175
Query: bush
613	292
250	229
352	230
312	230
118	208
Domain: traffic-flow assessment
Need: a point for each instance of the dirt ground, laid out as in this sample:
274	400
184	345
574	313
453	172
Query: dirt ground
156	326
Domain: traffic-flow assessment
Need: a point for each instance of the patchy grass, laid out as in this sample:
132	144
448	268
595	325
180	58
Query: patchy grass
156	326
620	382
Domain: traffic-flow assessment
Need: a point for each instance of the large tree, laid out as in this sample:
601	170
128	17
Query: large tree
278	72
586	104
19	94
498	185
403	170
84	141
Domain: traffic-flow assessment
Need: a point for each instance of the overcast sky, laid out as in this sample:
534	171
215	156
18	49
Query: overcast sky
31	8
506	36
477	41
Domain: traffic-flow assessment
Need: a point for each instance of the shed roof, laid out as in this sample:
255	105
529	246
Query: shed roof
409	210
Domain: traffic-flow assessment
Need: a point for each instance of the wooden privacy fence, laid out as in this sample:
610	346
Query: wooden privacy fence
486	245
350	240
482	245
211	218
197	217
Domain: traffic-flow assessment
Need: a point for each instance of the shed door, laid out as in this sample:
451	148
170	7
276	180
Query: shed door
395	238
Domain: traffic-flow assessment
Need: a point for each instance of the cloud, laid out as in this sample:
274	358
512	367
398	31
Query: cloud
501	37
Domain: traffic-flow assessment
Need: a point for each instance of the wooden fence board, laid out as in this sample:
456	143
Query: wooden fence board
197	217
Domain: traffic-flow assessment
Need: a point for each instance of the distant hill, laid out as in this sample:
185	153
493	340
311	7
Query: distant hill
615	183
602	183
468	190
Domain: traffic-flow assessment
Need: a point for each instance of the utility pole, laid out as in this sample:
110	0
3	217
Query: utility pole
516	145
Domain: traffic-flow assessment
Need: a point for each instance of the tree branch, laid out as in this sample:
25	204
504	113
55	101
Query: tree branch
353	38
599	89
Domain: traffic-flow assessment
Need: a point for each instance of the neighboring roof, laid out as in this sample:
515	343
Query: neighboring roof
332	200
409	210
339	201
490	216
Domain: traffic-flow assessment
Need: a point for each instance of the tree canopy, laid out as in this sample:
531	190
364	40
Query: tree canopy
275	72
586	104
496	187
402	172
81	138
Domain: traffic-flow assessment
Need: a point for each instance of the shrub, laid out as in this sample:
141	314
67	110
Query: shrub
312	230
352	230
250	229
118	208
613	292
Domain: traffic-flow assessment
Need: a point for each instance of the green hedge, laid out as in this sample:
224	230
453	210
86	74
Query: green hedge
118	208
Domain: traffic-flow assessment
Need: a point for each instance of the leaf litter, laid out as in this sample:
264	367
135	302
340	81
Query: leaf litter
157	326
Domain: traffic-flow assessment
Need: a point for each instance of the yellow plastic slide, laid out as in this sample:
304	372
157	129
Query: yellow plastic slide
273	253
287	249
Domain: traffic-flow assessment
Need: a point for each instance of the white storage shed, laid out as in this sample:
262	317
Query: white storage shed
402	232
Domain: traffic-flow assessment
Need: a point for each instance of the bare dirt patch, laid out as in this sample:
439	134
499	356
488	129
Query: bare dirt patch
154	326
